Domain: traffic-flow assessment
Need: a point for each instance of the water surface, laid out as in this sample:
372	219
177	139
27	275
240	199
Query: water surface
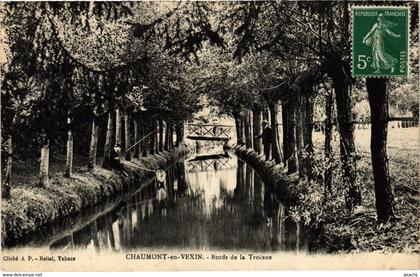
215	202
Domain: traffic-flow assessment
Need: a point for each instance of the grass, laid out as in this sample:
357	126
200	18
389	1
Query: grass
31	206
398	236
338	231
360	232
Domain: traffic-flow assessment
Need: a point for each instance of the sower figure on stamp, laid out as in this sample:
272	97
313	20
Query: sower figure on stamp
375	38
266	139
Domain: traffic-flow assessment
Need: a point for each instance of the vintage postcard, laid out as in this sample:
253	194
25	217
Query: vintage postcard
209	135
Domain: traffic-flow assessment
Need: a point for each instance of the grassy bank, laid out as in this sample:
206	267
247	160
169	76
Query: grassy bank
31	207
360	232
334	229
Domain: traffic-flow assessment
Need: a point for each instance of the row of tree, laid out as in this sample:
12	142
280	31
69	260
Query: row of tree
290	53
52	91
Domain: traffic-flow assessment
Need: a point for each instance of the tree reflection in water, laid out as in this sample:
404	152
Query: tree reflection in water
220	207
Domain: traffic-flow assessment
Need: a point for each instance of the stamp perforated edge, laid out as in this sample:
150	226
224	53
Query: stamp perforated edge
406	6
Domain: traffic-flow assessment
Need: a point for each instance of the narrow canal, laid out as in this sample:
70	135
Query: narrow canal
215	202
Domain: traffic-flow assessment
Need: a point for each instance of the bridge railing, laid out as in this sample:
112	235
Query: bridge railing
209	130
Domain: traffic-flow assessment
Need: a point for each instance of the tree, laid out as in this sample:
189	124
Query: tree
74	55
334	49
378	102
36	63
304	85
257	128
16	92
314	38
46	49
328	136
378	96
248	129
108	140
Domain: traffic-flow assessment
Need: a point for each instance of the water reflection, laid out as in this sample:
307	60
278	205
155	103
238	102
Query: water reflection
214	202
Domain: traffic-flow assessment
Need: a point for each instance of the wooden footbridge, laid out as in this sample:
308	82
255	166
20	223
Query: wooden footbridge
209	132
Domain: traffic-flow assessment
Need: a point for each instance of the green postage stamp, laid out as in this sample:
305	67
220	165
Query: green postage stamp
380	43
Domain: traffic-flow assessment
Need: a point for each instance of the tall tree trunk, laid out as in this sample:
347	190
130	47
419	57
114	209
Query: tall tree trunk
152	138
266	114
247	127
157	150
347	147
179	133
157	137
290	139
136	139
327	143
274	133
118	129
108	141
242	124
257	129
171	135
280	129
239	134
143	143
166	144
69	150
240	173
250	127
161	139
182	132
45	162
7	184
127	129
378	102
307	135
286	123
93	144
141	134
299	136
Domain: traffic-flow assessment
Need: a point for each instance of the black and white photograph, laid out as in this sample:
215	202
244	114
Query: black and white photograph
209	135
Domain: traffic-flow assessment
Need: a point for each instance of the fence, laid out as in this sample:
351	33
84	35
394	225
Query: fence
393	122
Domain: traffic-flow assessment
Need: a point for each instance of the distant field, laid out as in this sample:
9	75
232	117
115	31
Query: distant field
398	138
